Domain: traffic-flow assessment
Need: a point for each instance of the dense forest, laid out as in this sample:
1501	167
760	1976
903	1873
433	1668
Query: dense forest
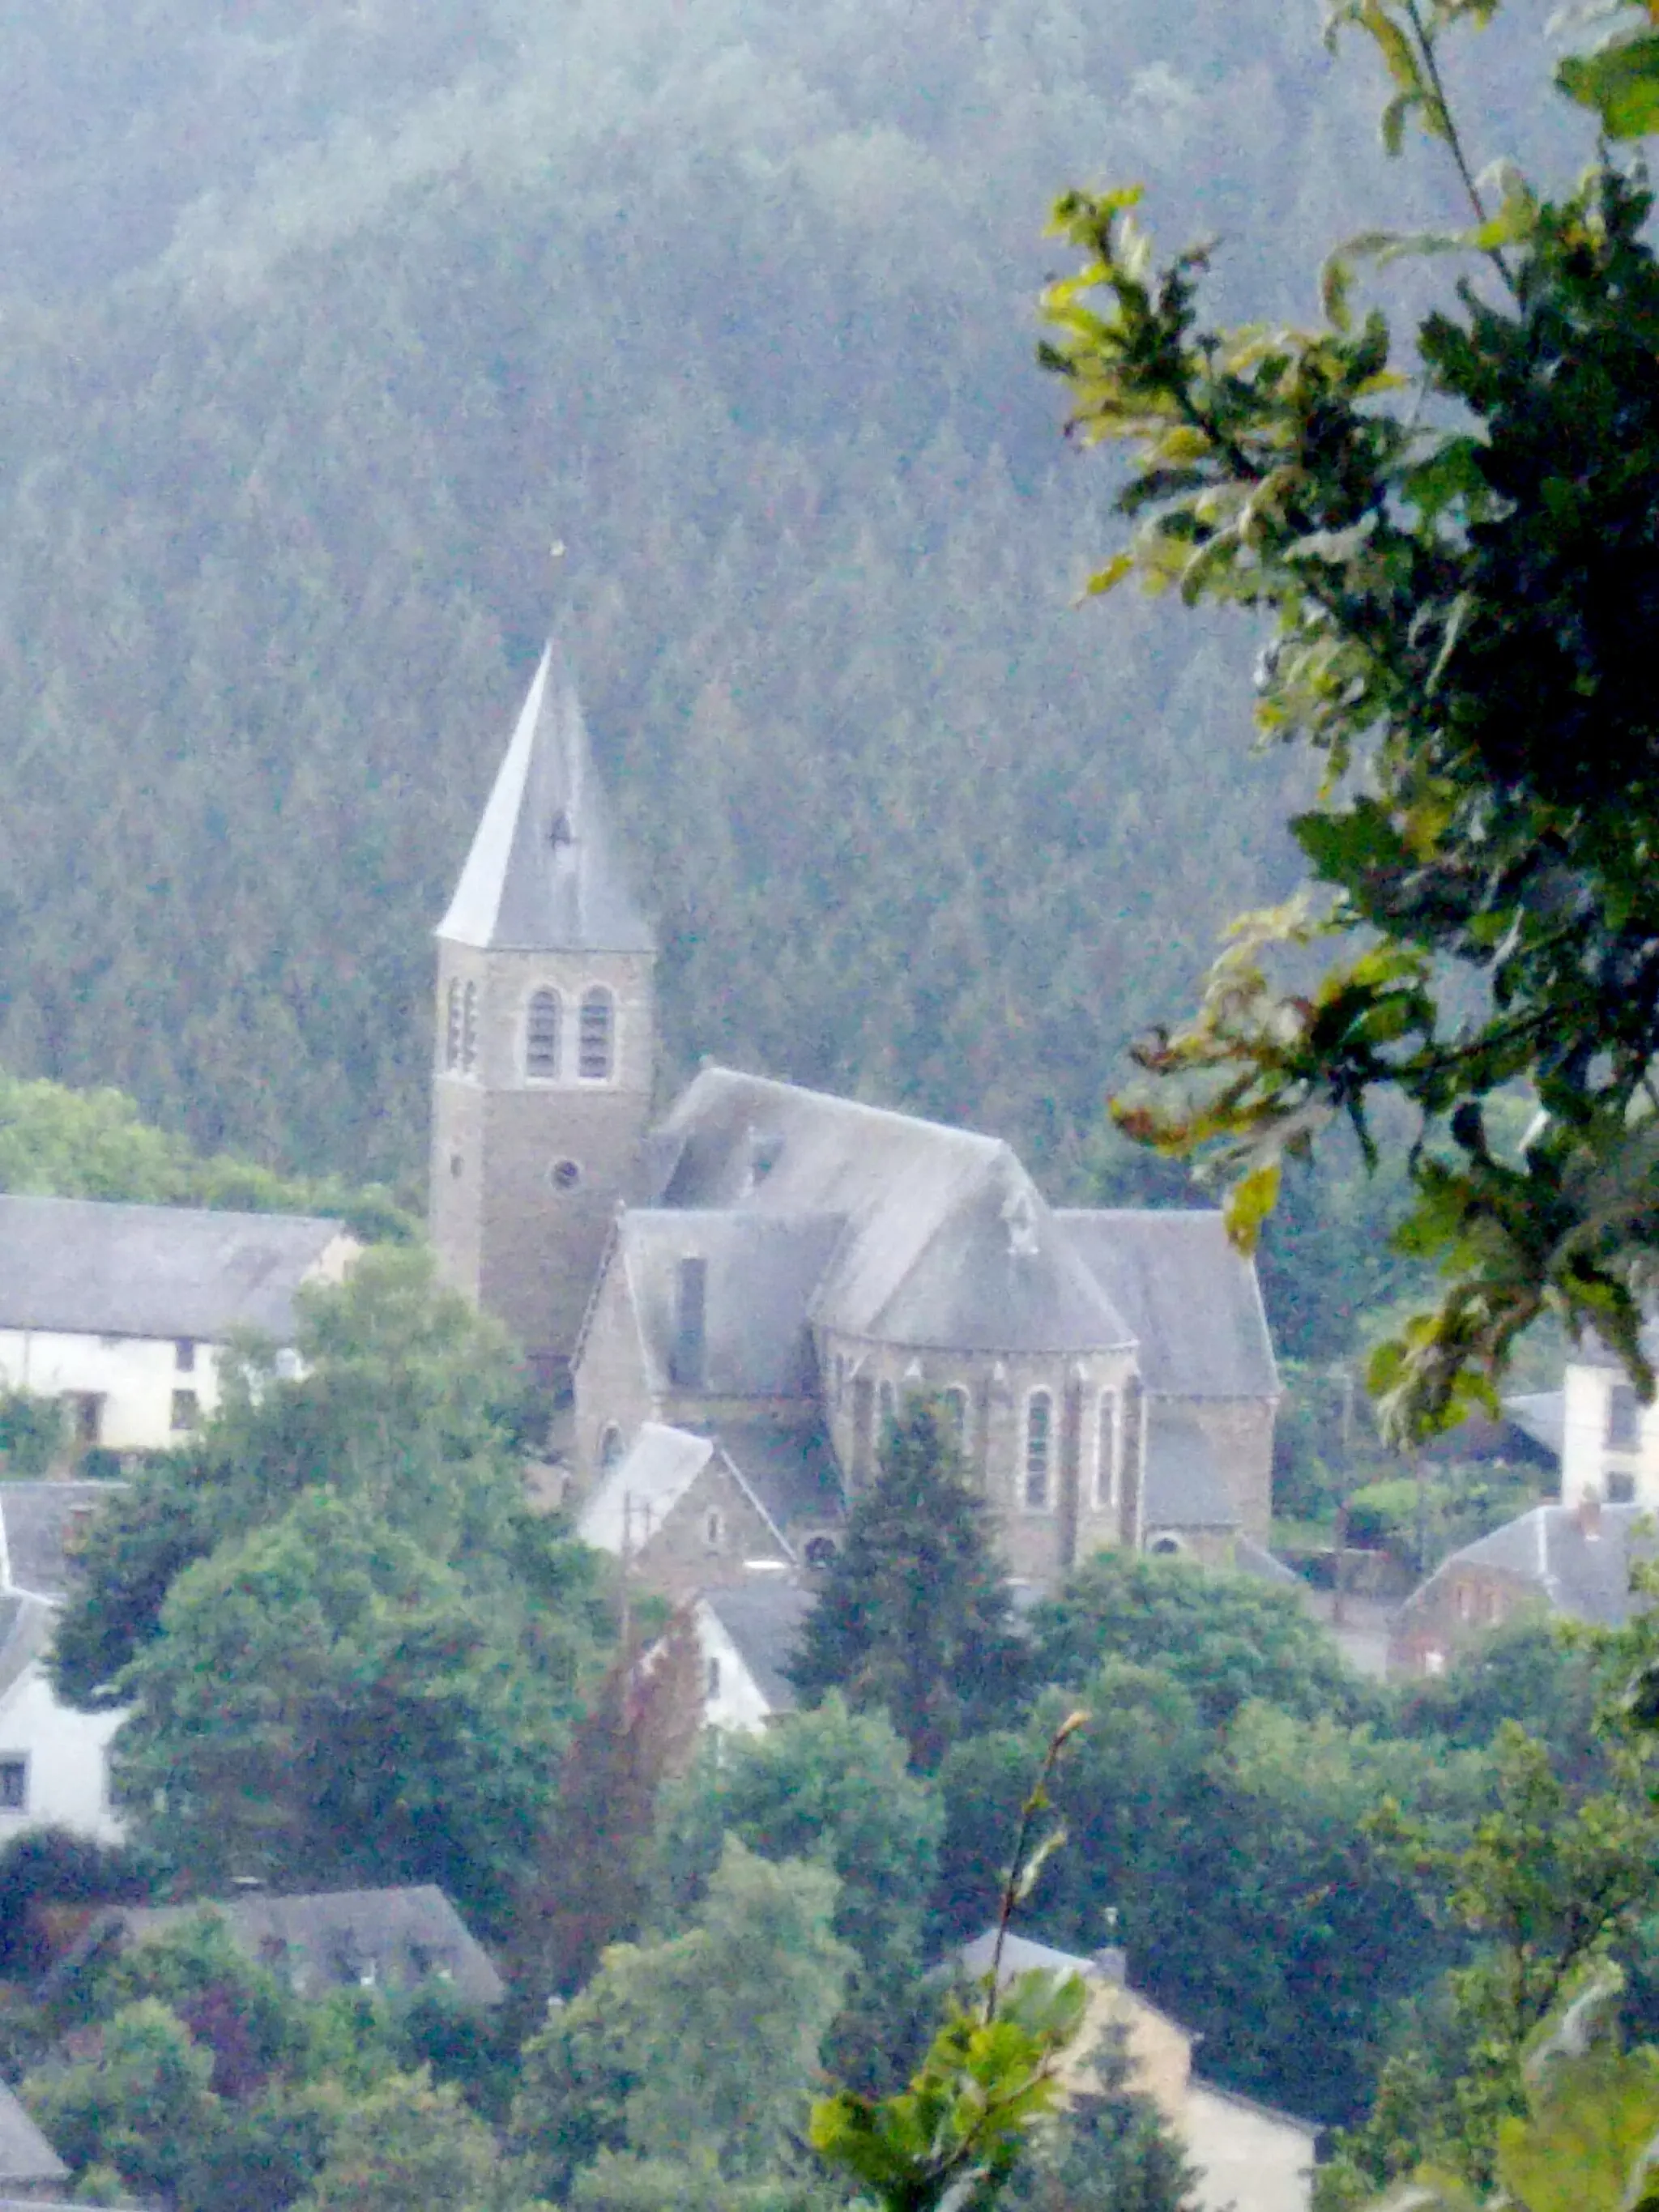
324	322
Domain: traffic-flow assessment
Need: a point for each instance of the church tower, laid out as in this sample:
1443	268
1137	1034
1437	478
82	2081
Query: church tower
545	1035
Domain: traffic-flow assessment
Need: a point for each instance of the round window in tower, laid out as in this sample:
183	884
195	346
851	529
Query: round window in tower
564	1174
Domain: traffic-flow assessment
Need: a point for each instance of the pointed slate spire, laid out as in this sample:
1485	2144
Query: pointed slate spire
544	874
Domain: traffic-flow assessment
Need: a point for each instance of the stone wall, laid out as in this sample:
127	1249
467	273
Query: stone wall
708	1541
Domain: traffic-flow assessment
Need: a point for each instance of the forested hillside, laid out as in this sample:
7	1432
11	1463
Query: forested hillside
323	321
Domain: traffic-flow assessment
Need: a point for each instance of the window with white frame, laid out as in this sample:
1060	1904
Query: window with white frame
1039	1449
1108	1429
541	1037
954	1402
13	1781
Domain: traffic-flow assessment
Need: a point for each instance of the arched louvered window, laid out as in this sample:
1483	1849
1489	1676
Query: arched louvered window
453	1028
1039	1449
595	1036
541	1037
610	1447
470	1028
888	1404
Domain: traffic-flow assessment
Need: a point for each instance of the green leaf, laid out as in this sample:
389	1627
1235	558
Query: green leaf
1620	82
1250	1202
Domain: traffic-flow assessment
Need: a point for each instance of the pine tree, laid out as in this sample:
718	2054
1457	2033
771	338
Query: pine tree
916	1616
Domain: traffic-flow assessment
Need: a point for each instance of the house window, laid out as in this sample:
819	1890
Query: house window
186	1410
1624	1418
714	1531
713	1679
593	1040
14	1783
1465	1602
611	1446
1621	1487
453	1028
183	1355
954	1402
1106	1451
470	1028
86	1414
541	1037
1039	1441
1494	1605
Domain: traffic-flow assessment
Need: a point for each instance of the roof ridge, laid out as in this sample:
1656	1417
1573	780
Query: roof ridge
982	1139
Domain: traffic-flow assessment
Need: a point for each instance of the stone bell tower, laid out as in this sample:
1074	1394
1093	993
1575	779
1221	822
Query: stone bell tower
545	1037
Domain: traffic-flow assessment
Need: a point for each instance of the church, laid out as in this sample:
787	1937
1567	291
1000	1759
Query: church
737	1295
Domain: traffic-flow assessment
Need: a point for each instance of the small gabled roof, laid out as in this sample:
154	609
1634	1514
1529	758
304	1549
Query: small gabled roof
25	2154
1540	1416
1192	1301
764	1620
1185	1485
789	1465
41	1526
1580	1567
401	1938
544	873
762	1270
644	1486
88	1268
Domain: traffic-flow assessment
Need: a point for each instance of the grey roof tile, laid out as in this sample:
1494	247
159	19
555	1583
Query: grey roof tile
764	1620
1185	1485
1250	1558
761	1271
1584	1575
789	1465
1541	1415
644	1486
25	2154
544	872
91	1268
42	1524
1192	1301
944	1230
402	1938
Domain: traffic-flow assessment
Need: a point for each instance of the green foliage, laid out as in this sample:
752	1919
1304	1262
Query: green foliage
46	1867
696	2053
1456	560
913	1617
61	1142
33	1432
1225	1637
407	2143
1108	2150
326	1705
142	2106
831	1786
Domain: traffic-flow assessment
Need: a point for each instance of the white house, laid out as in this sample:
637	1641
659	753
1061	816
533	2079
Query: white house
122	1311
54	1761
747	1635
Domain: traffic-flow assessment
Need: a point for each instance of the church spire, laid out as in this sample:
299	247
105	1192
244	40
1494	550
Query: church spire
544	873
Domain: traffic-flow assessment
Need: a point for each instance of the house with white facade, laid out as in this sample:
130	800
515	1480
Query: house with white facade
123	1311
54	1761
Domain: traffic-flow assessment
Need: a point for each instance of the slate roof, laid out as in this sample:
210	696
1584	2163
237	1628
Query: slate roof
544	872
1022	1955
40	1523
25	2154
761	1271
764	1619
1185	1485
1585	1577
789	1465
947	1242
1543	1416
90	1268
402	1939
651	1476
1192	1302
1250	1558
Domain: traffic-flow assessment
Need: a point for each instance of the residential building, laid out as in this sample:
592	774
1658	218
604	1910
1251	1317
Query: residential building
54	1760
747	1636
1247	2156
123	1311
771	1270
31	2172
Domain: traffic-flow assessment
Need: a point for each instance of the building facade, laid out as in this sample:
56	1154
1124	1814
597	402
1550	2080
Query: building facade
773	1271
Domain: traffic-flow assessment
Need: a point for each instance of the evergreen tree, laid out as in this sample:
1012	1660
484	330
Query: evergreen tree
915	1615
1109	2151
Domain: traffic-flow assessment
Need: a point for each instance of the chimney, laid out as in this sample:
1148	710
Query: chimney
1589	1515
687	1361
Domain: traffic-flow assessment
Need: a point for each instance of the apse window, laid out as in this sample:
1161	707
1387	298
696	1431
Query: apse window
1039	1444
